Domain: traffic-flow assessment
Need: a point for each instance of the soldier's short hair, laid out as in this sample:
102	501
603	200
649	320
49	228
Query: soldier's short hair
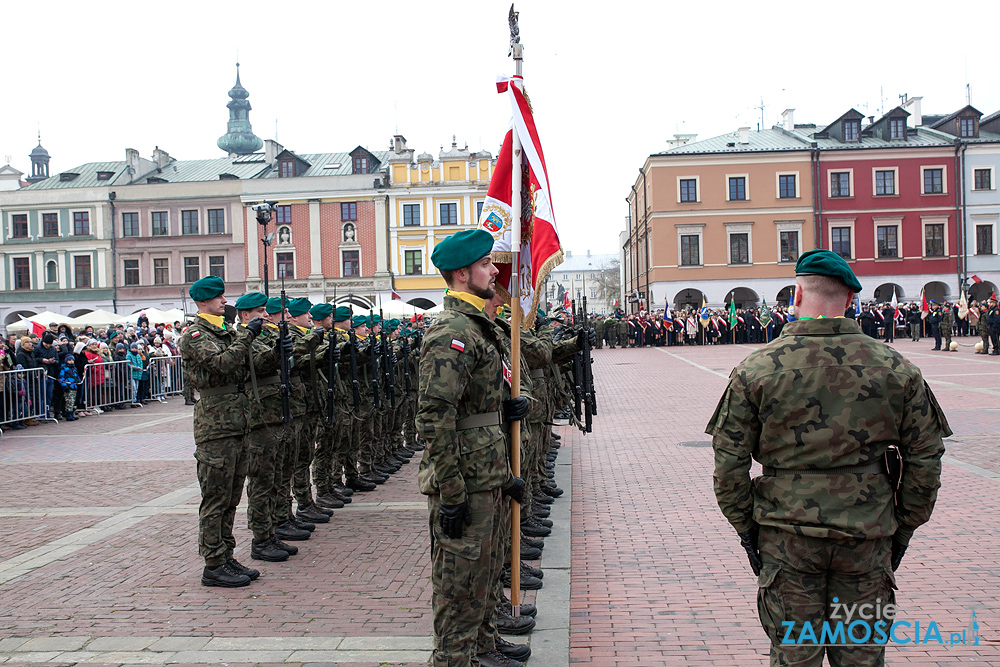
447	275
824	287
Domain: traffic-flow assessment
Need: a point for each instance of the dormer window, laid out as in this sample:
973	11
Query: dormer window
967	128
360	165
104	175
286	169
897	128
852	130
67	176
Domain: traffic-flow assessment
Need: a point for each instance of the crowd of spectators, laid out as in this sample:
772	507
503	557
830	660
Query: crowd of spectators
79	375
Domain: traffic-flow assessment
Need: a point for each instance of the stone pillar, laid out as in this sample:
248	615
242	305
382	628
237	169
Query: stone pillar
315	242
102	268
39	270
252	246
61	268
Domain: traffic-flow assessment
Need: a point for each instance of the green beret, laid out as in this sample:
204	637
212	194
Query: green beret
207	288
342	313
359	321
250	300
299	306
394	323
374	320
826	263
462	249
321	311
273	305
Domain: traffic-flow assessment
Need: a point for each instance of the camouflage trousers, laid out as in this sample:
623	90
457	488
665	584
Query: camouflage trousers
322	464
284	469
531	453
464	575
409	417
803	577
265	446
222	469
302	481
361	431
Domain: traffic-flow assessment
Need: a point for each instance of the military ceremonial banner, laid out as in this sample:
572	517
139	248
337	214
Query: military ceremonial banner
963	306
540	249
764	317
924	308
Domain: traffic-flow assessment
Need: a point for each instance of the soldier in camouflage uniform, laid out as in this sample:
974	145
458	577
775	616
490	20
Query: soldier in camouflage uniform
217	357
464	472
818	408
362	431
332	454
947	324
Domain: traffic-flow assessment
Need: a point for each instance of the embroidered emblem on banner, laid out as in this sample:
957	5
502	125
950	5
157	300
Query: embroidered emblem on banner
507	375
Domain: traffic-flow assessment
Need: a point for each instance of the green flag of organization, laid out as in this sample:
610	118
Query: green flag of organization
732	314
764	316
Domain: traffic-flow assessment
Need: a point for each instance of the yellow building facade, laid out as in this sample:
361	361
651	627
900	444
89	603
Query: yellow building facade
430	199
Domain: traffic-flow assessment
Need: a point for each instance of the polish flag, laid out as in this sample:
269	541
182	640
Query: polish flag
395	295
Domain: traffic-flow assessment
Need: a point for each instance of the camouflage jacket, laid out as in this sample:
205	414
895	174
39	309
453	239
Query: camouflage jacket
823	395
461	374
310	356
267	364
216	357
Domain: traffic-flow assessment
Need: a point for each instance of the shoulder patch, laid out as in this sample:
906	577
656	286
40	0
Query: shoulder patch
457	345
195	334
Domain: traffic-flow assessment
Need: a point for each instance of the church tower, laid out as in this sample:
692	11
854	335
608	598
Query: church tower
39	162
239	138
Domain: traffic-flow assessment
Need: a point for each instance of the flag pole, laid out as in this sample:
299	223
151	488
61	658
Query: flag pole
516	50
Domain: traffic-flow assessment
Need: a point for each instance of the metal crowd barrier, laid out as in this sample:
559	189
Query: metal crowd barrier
166	377
107	384
22	396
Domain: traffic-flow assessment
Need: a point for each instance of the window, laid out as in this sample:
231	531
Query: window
413	262
411	215
690	251
887	241
885	182
840	184
786	186
689	190
51	272
81	271
216	221
50	224
283	216
131	272
897	128
81	223
286	169
593	294
19	226
192	269
286	265
360	165
737	188
161	271
479	210
349	211
352	263
22	273
967	127
933	181
851	130
189	222
160	225
449	214
934	240
984	239
217	266
578	276
984	179
789	242
841	241
739	248
130	224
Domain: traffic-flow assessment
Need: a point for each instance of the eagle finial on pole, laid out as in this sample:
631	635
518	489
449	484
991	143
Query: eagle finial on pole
515	33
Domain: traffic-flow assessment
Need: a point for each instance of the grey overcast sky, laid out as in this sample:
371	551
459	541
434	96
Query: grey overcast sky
610	83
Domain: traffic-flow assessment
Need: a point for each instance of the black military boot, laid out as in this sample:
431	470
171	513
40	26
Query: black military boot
540	511
551	490
328	500
341	490
543	498
530	553
536	542
242	569
528	583
513	625
288	531
549	465
265	550
384	469
223	576
342	497
526	609
374	477
532	528
302	524
290	549
511	650
404	452
535	572
542	521
555	436
325	510
359	484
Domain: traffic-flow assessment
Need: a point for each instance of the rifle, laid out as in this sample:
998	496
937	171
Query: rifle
389	369
577	384
332	357
406	363
263	217
373	354
355	386
588	376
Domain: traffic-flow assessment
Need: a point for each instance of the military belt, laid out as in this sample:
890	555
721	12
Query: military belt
479	421
537	373
274	379
863	469
218	391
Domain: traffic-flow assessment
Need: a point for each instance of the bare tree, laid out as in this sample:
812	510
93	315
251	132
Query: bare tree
609	284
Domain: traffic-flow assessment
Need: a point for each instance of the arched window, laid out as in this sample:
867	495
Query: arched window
51	272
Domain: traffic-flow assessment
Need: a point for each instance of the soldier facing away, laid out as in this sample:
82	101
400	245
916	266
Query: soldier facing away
818	408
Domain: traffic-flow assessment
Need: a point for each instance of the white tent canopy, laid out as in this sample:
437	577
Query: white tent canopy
45	319
155	316
97	318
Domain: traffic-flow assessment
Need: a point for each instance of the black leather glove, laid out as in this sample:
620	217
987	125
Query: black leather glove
452	517
592	336
897	554
336	352
749	541
255	325
319	331
286	347
515	490
515	409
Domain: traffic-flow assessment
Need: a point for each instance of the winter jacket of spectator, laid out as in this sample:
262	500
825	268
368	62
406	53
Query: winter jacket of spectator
95	376
135	360
68	377
52	353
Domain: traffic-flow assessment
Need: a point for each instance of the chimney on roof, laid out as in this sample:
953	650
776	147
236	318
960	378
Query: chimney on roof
913	106
132	162
681	139
398	143
744	135
271	151
788	119
161	158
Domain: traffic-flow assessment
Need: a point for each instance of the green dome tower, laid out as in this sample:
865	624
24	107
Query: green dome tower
239	138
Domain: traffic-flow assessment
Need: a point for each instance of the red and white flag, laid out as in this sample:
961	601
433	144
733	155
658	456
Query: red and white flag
975	279
36	328
895	304
395	295
540	251
924	308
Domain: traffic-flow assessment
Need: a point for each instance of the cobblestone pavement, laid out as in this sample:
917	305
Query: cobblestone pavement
98	561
